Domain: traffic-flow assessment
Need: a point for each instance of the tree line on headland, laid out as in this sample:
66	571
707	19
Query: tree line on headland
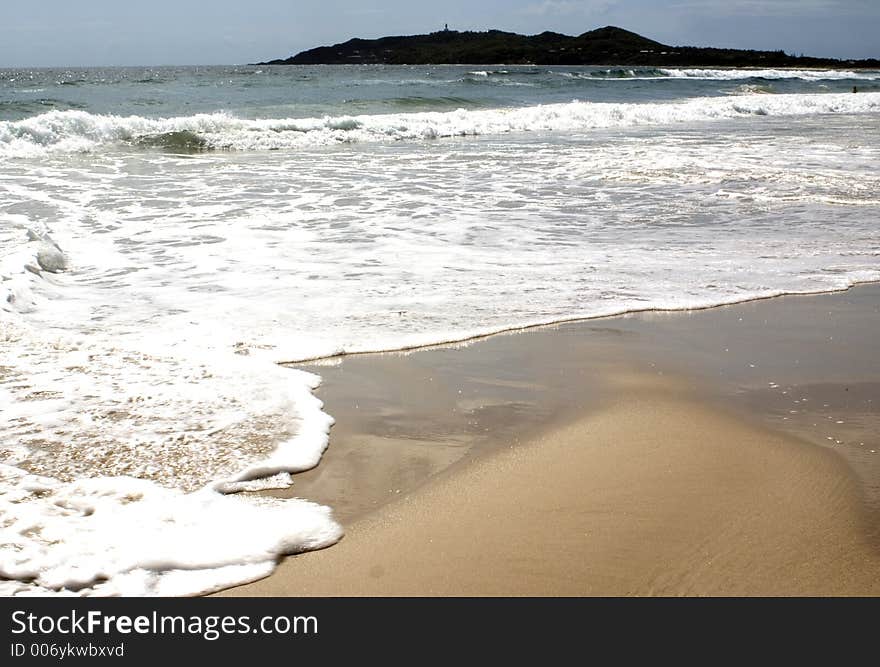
605	46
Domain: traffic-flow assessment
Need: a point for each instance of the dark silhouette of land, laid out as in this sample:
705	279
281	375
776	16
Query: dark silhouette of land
604	46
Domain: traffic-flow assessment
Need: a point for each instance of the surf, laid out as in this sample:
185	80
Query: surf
80	131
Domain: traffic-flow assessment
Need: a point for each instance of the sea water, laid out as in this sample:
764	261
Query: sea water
168	235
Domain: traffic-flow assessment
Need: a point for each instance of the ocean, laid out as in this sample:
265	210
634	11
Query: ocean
169	235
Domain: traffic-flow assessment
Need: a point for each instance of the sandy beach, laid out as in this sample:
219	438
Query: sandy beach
653	454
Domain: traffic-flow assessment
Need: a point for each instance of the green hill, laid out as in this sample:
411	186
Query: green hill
604	46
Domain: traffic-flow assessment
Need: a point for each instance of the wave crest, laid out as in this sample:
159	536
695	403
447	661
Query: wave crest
737	74
79	131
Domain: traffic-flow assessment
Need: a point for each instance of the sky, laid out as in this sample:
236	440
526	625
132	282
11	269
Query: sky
44	33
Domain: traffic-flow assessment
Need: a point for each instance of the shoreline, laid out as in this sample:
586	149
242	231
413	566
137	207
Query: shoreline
558	322
580	416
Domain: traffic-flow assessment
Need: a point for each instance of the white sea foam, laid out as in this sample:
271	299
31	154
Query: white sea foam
169	427
126	536
736	74
659	74
80	131
169	434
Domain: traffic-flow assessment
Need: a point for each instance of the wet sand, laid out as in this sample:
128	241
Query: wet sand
731	451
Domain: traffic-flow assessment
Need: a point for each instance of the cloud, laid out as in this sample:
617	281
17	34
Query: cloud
365	11
568	7
779	8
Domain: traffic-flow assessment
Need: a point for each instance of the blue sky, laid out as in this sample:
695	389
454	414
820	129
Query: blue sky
117	32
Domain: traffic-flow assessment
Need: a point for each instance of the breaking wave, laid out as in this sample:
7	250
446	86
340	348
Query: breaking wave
80	131
719	74
736	74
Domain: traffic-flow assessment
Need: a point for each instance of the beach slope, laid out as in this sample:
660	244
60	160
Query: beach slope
655	494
